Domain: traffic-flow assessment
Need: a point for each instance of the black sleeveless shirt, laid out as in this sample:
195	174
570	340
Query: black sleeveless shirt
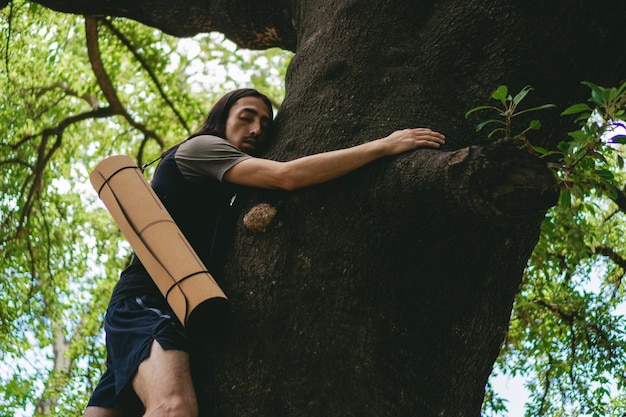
188	182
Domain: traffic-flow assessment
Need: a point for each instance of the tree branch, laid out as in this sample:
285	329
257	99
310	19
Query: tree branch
612	255
618	259
546	385
9	32
567	317
93	49
620	200
148	69
63	86
504	181
44	155
104	81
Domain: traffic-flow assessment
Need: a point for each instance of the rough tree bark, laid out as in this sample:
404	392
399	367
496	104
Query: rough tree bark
388	292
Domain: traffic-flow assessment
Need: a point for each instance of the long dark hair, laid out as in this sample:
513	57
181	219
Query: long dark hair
215	122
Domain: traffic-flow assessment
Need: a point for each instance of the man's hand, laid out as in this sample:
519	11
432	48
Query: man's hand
408	139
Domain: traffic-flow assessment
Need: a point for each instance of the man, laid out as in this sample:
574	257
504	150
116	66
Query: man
148	362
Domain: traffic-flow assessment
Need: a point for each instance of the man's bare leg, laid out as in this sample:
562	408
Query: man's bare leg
164	385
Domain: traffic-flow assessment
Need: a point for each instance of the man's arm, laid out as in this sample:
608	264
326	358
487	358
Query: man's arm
322	167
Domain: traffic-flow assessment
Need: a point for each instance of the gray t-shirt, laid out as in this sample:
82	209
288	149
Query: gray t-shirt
207	156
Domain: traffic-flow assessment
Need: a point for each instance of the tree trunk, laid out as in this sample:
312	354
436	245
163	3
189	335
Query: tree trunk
61	368
388	292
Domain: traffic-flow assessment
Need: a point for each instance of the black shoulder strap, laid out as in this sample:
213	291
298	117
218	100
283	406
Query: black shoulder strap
146	165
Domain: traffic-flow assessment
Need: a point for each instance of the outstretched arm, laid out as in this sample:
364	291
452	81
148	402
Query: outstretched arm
322	167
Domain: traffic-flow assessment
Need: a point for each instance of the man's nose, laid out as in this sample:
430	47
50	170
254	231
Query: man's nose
255	129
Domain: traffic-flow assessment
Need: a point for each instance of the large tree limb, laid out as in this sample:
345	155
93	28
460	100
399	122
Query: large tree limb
249	23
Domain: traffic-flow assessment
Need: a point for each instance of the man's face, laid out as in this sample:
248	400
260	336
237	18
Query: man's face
247	124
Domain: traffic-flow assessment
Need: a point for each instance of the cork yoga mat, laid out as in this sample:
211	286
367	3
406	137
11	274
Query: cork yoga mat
174	266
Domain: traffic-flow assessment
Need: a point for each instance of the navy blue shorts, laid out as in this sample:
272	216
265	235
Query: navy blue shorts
131	325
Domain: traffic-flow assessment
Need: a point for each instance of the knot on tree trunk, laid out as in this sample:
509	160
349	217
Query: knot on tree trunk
260	217
506	182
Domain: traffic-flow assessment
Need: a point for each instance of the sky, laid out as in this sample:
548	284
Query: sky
512	390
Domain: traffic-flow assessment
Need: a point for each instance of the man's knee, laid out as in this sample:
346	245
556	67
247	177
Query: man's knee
163	383
174	406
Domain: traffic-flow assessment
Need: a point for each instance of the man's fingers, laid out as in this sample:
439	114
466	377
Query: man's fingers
407	139
430	136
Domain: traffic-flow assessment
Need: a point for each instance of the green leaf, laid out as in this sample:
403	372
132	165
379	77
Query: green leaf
612	191
493	132
523	92
577	135
599	95
479	126
542	107
605	174
501	94
540	150
576	108
565	199
621	89
475	109
543	152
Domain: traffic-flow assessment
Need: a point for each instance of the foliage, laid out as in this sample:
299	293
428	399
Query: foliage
508	112
588	158
61	253
567	330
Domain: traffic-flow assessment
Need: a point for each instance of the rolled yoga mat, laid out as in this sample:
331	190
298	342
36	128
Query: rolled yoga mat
190	290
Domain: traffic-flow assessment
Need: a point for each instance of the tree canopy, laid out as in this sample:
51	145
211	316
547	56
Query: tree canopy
74	90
